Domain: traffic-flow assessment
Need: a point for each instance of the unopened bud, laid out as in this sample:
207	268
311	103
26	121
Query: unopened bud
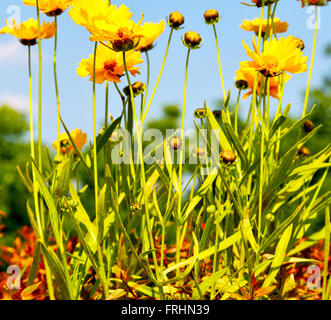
138	88
136	207
308	126
270	217
175	143
200	113
212	16
176	20
241	84
192	40
228	157
304	152
211	209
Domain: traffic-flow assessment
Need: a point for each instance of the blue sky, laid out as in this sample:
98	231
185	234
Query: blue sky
204	82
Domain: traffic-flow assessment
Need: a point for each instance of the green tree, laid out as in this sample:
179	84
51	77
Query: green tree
14	151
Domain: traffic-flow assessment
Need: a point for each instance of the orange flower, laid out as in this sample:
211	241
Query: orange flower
254	25
109	65
150	31
27	31
50	7
248	74
278	56
64	142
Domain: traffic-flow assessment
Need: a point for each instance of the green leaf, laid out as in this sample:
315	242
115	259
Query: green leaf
57	270
279	256
103	138
101	212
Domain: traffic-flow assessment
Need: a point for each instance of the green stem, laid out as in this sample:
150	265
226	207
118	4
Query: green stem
312	64
147	83
237	113
159	77
56	82
102	273
181	157
219	62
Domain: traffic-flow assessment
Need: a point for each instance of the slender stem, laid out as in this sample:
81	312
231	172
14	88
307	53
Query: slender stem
159	77
102	273
33	155
147	83
56	82
312	64
40	92
237	113
219	62
181	156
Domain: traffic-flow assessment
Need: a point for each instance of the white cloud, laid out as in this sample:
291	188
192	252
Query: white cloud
12	51
16	101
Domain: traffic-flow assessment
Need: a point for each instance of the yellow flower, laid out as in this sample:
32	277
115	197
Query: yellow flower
63	144
248	74
123	34
109	65
102	20
150	31
277	56
254	25
50	7
27	31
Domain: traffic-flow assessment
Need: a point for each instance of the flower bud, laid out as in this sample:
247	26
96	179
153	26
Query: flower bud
211	209
212	16
199	153
304	152
176	20
138	88
175	143
308	126
136	207
270	217
217	114
200	113
228	157
241	84
192	40
300	44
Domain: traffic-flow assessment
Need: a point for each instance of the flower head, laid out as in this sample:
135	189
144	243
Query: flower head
254	25
63	144
150	31
50	7
248	76
212	16
192	40
277	56
109	65
27	31
176	20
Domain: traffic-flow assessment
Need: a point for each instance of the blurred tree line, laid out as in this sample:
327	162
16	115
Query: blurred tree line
14	150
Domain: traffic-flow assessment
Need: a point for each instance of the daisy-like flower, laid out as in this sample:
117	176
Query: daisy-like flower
248	75
278	56
27	31
150	31
109	65
123	34
254	25
106	22
63	144
51	8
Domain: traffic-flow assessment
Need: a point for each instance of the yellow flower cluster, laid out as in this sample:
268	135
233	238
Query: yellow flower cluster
50	7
